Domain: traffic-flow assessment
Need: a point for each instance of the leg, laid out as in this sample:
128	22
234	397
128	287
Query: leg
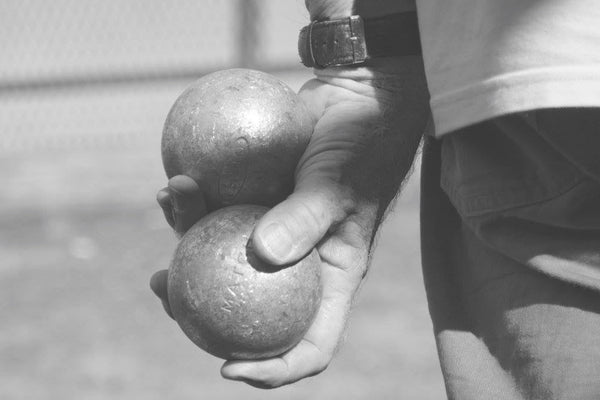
499	258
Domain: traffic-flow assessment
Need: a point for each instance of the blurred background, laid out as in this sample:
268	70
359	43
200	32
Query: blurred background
85	87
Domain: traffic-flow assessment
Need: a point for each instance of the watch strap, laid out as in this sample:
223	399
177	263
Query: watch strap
354	40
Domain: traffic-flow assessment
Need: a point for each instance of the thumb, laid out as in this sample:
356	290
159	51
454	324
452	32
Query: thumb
291	229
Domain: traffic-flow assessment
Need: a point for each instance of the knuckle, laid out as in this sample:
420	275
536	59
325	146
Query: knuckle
318	210
308	213
271	382
321	365
265	384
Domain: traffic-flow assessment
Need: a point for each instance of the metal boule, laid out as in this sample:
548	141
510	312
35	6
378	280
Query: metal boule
239	134
228	301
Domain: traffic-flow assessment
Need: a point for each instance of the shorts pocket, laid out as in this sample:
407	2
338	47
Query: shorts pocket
502	164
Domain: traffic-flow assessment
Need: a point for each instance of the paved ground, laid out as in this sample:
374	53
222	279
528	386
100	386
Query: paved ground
80	235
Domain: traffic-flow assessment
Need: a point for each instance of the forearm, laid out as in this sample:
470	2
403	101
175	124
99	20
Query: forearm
330	9
393	114
385	101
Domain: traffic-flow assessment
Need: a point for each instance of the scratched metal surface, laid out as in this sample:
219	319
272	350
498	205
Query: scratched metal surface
229	302
253	129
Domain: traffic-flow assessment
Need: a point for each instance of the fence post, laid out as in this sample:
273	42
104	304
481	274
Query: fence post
249	28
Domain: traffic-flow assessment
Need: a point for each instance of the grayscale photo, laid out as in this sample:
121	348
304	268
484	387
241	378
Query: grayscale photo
300	199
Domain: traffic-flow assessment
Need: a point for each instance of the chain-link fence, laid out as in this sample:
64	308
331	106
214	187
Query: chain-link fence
81	41
82	71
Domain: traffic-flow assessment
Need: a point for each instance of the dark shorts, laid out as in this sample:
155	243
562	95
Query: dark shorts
510	219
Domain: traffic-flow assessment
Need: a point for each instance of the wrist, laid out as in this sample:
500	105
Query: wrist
390	74
320	10
355	40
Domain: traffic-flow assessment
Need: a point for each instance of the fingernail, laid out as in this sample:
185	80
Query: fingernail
277	240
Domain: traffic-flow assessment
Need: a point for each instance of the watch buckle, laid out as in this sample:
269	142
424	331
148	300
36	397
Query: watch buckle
356	39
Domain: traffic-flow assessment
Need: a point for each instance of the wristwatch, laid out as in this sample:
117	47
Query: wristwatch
354	40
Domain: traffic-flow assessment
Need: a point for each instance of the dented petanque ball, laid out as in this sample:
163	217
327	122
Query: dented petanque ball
239	134
230	303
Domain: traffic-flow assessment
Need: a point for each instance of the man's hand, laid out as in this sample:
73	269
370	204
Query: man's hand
363	145
182	203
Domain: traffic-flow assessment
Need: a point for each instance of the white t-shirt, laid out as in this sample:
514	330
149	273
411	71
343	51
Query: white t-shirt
486	58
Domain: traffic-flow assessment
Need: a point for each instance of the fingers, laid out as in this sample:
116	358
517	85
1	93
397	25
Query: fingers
314	353
182	202
291	229
302	361
163	197
158	284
